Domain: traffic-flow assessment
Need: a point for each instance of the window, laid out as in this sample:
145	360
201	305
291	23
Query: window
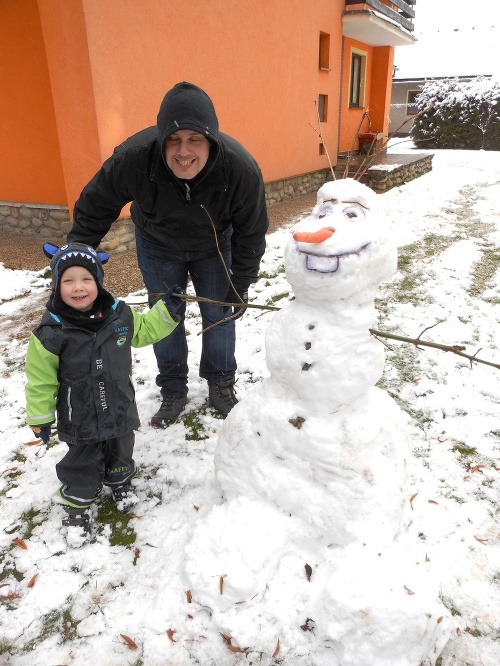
411	102
322	108
357	83
324	51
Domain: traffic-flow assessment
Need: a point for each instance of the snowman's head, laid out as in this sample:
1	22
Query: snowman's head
343	249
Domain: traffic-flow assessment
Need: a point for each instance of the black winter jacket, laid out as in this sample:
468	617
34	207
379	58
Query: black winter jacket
229	192
86	374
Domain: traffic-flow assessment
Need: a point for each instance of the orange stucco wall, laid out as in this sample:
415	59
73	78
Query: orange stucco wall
103	67
377	94
260	67
64	32
381	86
30	166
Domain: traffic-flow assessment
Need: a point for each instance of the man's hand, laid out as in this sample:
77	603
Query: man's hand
42	432
236	293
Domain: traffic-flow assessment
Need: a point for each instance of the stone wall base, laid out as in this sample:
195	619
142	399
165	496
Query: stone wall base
52	223
389	173
383	180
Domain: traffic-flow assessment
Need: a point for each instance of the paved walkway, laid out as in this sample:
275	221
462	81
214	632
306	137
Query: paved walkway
382	159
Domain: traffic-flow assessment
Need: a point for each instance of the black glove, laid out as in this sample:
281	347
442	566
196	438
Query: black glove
42	432
173	303
236	293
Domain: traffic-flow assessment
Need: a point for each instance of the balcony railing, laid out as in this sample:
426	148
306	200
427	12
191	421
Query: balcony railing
399	11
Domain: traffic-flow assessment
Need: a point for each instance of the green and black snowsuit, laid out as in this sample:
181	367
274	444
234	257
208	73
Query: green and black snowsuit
84	376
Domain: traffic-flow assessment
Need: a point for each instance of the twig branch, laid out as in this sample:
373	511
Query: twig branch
370	158
458	350
240	306
202	299
320	134
355	138
454	349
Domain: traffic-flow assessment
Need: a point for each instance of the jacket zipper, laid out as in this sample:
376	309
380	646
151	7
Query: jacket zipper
188	195
70	409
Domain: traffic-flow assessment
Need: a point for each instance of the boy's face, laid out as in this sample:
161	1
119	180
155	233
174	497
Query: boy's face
78	288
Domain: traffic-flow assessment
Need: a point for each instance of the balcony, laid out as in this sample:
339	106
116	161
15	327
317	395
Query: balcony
379	23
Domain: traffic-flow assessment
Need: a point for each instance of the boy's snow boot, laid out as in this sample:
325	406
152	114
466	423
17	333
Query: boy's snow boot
222	397
125	497
77	524
169	411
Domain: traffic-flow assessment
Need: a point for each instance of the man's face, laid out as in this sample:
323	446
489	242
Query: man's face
186	153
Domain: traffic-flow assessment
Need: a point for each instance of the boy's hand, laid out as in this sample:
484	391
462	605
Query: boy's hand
172	303
42	432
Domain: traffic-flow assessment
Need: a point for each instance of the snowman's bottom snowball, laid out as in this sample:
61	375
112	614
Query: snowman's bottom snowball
253	566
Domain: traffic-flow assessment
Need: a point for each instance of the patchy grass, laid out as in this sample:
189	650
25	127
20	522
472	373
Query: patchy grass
195	429
59	622
463	450
30	519
267	277
278	297
121	532
6	648
484	271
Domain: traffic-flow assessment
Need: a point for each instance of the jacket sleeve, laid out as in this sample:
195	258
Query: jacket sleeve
102	200
42	383
250	223
152	326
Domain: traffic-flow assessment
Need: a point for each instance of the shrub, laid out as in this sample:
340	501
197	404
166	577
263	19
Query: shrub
458	114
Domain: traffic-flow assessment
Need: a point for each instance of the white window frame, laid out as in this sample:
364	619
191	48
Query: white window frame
411	104
357	79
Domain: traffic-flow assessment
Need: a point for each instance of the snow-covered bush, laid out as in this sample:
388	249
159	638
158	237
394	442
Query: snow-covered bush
458	114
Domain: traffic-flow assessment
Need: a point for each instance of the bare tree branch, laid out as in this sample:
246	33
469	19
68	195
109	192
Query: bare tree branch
418	342
368	161
350	154
320	134
201	299
458	350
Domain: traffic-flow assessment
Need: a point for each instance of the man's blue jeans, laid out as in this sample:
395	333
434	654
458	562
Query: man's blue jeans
162	267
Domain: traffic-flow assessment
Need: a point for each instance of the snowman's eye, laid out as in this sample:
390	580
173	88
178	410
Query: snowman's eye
354	213
324	211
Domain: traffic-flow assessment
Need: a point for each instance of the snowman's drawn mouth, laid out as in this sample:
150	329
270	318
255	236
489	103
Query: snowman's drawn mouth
328	263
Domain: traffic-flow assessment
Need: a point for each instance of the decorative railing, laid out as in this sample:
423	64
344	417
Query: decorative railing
399	11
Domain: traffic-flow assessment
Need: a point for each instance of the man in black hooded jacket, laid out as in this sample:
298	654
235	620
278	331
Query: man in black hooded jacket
199	210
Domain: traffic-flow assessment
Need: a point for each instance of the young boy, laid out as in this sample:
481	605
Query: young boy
79	366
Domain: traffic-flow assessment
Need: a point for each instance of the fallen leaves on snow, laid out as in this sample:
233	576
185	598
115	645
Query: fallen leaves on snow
33	581
132	645
19	542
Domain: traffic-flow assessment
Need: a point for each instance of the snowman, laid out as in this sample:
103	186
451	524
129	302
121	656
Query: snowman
312	464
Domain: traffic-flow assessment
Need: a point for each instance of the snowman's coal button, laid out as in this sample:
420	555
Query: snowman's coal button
306	366
307	345
297	422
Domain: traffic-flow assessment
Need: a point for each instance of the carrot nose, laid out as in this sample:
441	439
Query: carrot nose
313	236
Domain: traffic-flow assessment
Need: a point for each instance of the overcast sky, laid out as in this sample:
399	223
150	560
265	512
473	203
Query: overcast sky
453	40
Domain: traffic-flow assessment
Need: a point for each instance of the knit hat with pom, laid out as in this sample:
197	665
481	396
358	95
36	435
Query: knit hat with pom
76	254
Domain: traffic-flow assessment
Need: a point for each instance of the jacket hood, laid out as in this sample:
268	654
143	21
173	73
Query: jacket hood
186	106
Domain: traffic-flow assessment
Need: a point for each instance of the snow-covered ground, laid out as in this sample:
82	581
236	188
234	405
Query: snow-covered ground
123	599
